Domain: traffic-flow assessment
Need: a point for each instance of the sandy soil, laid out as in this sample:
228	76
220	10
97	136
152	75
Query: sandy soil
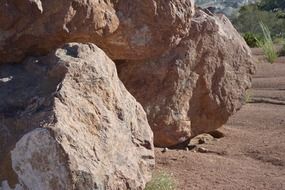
251	155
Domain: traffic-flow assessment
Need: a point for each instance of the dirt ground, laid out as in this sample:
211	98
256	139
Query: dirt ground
251	155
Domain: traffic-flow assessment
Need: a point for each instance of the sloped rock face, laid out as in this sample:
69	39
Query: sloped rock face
67	122
124	29
195	87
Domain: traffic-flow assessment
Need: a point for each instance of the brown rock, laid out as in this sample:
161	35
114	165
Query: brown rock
67	122
195	87
125	29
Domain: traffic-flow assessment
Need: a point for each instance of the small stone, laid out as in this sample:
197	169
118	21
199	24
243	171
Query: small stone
202	150
202	139
164	150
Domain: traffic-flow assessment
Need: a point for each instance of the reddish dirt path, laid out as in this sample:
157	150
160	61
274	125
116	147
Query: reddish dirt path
252	153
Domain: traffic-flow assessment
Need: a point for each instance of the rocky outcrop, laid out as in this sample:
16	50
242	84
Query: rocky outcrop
124	29
195	87
67	122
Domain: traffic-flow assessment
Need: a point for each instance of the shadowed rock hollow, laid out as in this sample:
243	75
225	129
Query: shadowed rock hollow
67	122
195	87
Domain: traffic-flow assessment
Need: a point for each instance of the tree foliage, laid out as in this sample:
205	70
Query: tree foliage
269	12
272	5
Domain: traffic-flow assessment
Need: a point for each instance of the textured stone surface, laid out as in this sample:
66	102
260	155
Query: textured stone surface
124	29
67	122
195	87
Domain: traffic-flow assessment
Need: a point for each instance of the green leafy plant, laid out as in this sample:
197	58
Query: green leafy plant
267	44
247	96
271	5
161	181
249	16
251	39
282	51
279	41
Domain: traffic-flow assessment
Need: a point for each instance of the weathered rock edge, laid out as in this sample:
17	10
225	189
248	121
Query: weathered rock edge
67	122
124	29
195	87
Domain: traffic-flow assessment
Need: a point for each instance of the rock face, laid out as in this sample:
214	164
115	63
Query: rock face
67	122
124	29
195	87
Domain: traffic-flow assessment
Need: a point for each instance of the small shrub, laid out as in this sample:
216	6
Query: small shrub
282	51
280	14
251	39
247	97
279	40
267	45
161	181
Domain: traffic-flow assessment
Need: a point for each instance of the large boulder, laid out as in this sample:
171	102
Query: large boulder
124	29
67	122
195	87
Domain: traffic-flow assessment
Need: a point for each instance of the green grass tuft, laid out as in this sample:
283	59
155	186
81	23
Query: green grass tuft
247	96
267	45
161	181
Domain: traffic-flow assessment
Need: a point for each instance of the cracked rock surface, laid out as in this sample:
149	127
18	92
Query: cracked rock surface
195	87
67	122
124	29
